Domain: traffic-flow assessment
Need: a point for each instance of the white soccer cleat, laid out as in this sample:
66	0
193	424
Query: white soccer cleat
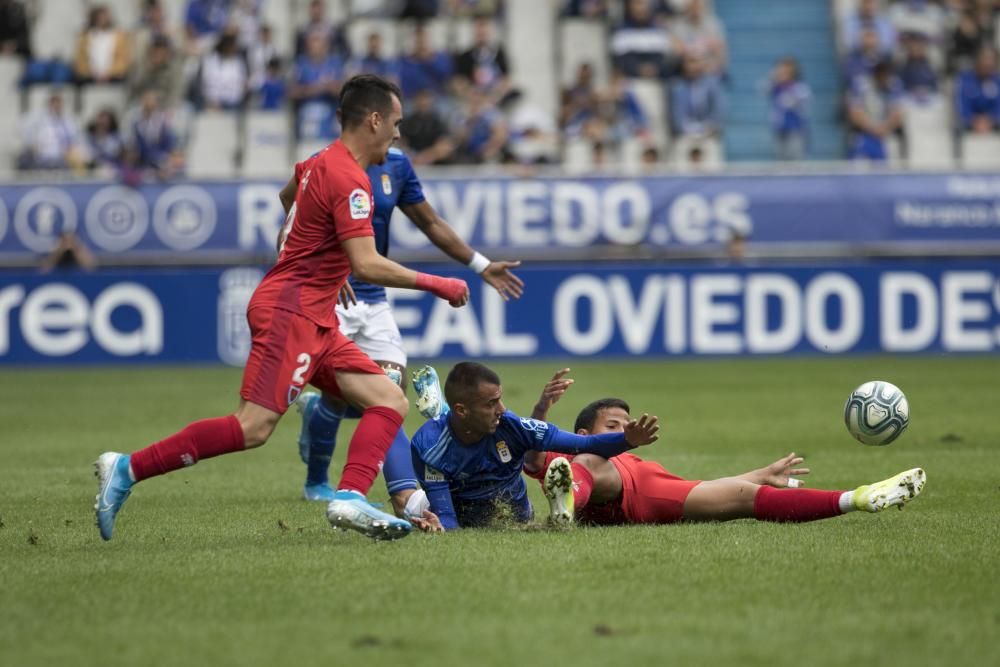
558	488
350	510
895	491
430	400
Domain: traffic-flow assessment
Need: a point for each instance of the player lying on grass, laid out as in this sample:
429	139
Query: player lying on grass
295	340
626	489
366	318
469	460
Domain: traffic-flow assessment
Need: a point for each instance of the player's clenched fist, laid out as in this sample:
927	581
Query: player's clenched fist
642	431
452	290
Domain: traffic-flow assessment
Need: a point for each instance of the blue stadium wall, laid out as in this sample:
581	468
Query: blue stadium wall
870	294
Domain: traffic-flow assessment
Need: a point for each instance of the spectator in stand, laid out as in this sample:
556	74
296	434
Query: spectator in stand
477	8
875	112
51	139
315	86
272	94
103	53
69	254
424	132
923	17
105	149
588	9
789	97
336	41
862	60
152	26
204	21
483	134
159	71
151	141
484	66
424	68
260	53
419	9
698	31
15	36
697	101
244	15
967	39
642	45
374	61
579	101
978	94
869	15
223	75
916	73
621	111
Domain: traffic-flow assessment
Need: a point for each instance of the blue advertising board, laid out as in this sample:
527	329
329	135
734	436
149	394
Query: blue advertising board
235	221
652	310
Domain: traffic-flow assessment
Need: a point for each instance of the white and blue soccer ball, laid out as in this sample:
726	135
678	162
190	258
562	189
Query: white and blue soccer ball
876	413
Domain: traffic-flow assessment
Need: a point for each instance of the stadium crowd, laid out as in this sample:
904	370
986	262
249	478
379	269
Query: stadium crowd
462	105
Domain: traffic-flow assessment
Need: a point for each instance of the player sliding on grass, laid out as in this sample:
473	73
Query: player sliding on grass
626	489
469	459
371	326
295	340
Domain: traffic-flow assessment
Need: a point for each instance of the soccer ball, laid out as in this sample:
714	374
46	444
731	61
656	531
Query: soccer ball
876	413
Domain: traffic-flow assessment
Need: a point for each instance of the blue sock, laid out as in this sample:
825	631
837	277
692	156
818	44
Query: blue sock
323	432
398	466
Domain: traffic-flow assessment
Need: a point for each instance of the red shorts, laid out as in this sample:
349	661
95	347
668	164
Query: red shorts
650	492
289	351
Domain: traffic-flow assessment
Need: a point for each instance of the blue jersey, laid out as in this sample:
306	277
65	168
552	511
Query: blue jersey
467	484
394	183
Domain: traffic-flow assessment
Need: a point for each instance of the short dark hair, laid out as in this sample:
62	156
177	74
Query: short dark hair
588	416
464	379
364	94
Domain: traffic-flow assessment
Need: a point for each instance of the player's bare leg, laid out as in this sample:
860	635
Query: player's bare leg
721	500
607	479
383	406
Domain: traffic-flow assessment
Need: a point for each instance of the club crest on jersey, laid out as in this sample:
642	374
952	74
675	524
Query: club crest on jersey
432	475
386	184
361	205
504	451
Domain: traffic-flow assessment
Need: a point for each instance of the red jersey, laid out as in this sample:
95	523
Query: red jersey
333	203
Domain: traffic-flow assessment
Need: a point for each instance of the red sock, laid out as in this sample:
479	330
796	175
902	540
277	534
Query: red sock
583	485
797	505
200	440
370	442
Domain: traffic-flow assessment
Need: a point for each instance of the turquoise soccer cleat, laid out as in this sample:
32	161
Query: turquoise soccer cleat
306	404
350	510
322	492
558	488
430	399
113	488
893	492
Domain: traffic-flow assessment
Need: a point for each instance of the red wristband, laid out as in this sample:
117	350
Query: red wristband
449	289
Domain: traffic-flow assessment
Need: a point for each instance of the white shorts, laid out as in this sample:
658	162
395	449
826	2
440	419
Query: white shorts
372	327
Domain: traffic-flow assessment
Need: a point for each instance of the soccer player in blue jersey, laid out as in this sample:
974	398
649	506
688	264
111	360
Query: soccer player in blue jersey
365	318
469	460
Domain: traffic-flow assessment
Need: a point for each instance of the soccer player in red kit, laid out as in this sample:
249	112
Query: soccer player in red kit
628	489
295	337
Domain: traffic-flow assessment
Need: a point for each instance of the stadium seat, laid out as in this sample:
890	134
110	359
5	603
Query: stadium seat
95	97
712	154
57	27
266	140
125	13
652	97
528	45
212	145
578	156
980	151
928	134
306	148
281	17
583	41
174	11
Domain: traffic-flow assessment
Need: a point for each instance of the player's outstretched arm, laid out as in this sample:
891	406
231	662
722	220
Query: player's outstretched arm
496	274
371	267
551	393
779	474
642	431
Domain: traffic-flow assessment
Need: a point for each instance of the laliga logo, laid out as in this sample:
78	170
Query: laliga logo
57	319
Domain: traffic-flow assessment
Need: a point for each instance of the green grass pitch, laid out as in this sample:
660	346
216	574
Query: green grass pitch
223	564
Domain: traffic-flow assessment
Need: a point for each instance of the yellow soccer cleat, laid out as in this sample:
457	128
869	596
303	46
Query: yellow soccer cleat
895	491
